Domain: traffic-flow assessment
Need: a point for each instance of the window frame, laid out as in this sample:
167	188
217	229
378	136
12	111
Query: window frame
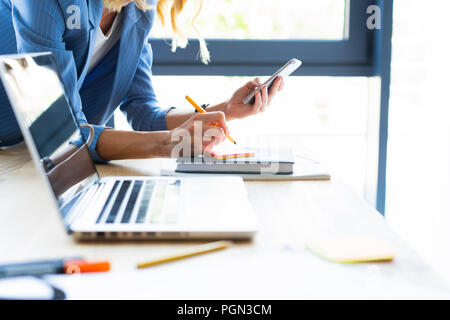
351	56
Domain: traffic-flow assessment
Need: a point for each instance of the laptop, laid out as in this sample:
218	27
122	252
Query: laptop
115	208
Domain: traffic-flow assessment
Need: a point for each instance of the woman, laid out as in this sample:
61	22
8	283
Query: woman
102	48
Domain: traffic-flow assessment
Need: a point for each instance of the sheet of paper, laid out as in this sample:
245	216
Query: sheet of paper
24	288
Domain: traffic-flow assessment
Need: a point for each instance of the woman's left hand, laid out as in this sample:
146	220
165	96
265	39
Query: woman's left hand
236	109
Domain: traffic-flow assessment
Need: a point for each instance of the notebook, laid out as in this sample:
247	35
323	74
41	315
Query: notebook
225	159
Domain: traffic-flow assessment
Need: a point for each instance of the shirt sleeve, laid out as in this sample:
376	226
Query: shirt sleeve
39	27
85	137
141	106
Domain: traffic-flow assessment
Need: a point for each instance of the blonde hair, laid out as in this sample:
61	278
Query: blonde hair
179	39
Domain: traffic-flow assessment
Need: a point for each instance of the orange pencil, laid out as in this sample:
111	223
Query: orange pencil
201	110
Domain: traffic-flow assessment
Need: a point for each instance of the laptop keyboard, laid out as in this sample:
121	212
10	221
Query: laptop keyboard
138	201
131	201
118	202
145	202
108	200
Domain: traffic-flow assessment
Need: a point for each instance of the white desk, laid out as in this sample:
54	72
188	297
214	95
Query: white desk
274	265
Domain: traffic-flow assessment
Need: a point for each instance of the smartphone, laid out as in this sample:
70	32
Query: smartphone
284	72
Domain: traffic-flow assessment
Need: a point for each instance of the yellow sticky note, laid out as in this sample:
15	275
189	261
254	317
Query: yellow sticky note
233	155
351	249
227	150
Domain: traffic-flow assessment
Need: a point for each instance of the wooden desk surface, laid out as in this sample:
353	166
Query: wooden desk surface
274	265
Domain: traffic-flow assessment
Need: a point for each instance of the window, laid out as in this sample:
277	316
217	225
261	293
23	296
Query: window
268	19
332	40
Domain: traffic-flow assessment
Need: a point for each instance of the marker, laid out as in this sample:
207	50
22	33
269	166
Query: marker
82	266
202	249
58	266
201	110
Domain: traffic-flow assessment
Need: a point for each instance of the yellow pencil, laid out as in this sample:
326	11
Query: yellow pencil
198	250
201	110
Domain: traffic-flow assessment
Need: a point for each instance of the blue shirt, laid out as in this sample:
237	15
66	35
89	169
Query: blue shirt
122	78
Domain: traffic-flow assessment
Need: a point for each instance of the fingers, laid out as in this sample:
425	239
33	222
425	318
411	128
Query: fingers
258	103
213	135
251	85
264	99
281	85
207	151
276	87
205	130
213	117
261	100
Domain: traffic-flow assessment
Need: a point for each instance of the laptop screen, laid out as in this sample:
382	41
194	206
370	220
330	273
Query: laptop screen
42	108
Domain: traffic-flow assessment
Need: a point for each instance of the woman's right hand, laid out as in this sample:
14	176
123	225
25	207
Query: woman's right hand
195	136
199	134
